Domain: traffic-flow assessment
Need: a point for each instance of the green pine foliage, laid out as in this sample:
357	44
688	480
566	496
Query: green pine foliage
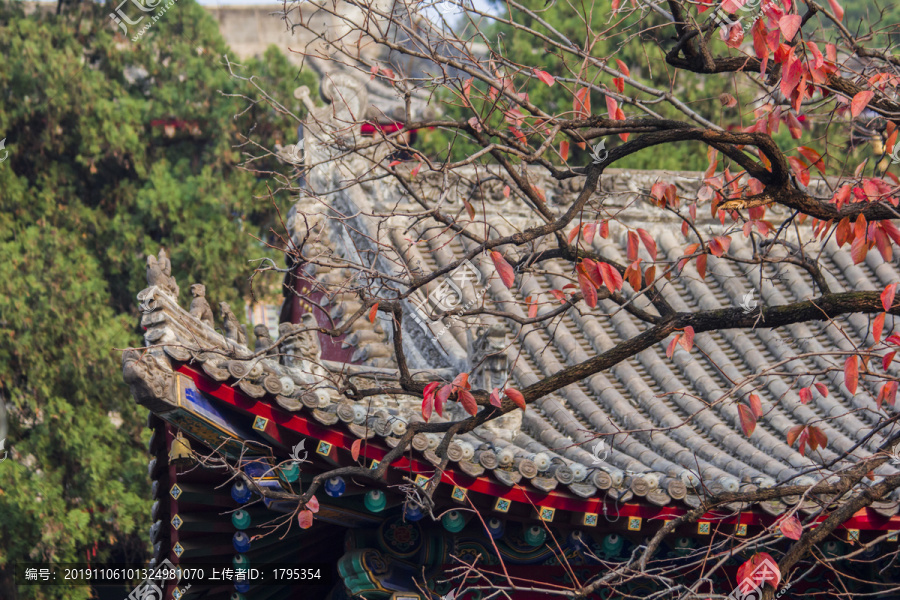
115	148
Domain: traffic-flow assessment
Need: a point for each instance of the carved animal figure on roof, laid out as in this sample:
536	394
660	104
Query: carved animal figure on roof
155	276
200	308
231	325
487	357
165	265
264	340
287	344
308	341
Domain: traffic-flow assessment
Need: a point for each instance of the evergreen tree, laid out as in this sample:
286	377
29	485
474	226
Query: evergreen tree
113	148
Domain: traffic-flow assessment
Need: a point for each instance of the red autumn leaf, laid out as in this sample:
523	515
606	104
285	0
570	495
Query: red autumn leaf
889	390
793	72
373	312
888	359
755	405
860	102
658	190
520	137
631	246
623	68
887	296
612	279
467	87
759	39
588	289
532	308
802	440
860	226
516	396
620	84
805	395
504	269
858	249
461	382
495	398
574	233
748	419
650	274
877	327
415	171
633	275
589	268
733	36
687	341
791	527
789	25
822	389
393	164
817	438
727	100
506	191
582	103
468	402
732	6
305	519
671	349
441	397
620	116
429	399
893	339
837	9
851	373
354	449
719	245
588	232
800	169
648	241
818	59
843	233
756	572
612	107
564	150
701	266
558	295
604	229
544	76
428	394
793	433
470	210
814	158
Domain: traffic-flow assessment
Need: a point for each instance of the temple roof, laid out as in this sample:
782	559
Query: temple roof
654	431
694	446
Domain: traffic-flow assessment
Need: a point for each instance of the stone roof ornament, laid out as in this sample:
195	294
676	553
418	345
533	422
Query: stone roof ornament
303	94
348	97
298	347
149	377
264	340
165	265
230	324
200	307
487	357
